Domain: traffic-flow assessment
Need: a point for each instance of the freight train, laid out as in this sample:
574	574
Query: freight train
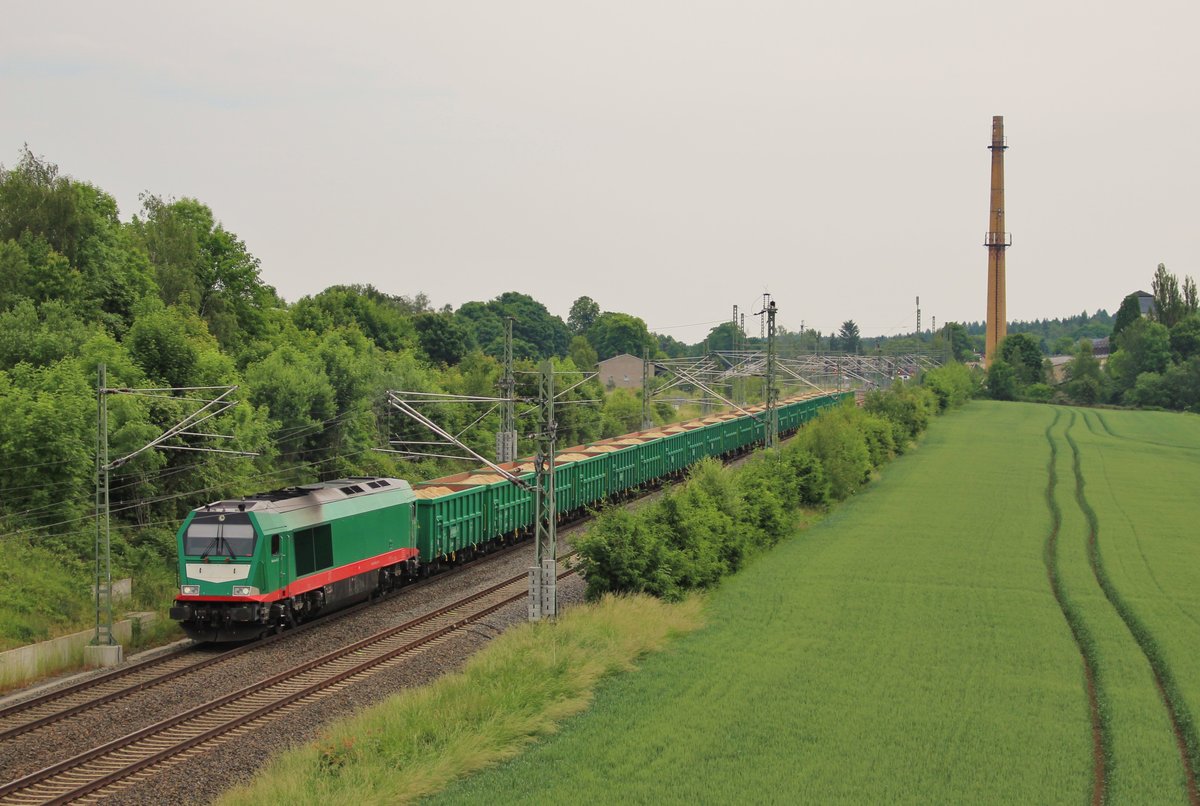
251	566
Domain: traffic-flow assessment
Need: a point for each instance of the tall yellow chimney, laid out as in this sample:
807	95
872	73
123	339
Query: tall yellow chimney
996	241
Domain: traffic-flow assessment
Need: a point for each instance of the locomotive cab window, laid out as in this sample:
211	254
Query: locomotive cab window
275	545
219	535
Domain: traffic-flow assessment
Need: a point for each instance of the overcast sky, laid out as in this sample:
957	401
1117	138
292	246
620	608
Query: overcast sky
668	159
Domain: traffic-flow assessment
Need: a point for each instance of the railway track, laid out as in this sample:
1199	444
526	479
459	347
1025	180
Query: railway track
120	763
47	709
53	706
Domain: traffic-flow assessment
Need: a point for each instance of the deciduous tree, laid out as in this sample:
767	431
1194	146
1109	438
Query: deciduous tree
1021	352
1129	312
583	313
1002	380
615	333
1085	380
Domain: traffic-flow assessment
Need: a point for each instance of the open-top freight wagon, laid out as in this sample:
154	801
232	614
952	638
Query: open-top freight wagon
272	560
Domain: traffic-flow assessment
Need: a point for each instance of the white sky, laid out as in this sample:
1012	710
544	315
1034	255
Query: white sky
668	159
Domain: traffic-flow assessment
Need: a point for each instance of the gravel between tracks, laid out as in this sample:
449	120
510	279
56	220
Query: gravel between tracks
202	778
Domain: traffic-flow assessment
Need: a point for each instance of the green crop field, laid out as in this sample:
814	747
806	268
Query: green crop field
1010	614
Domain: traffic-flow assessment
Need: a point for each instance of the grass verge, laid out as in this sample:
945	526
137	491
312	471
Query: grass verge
516	690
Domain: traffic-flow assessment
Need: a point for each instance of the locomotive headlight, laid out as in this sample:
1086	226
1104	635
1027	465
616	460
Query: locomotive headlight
239	590
189	590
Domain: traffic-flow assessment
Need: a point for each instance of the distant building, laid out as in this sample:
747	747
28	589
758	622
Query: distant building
1059	363
1145	302
1058	367
622	371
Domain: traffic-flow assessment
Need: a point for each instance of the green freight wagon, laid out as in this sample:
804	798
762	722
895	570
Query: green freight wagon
511	506
591	481
459	512
453	514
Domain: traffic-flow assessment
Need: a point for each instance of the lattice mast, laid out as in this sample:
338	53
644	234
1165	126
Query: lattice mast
506	438
771	418
997	241
543	596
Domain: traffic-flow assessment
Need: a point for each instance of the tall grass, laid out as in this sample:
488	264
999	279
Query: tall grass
507	696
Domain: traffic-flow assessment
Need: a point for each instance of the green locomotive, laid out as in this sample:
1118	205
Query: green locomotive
275	559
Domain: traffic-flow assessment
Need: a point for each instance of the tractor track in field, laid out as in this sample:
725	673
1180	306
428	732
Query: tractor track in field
1115	500
1101	743
1104	424
1182	723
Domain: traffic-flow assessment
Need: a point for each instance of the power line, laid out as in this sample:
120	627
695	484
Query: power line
40	464
174	496
151	476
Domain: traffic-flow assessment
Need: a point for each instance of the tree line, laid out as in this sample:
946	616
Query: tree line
173	298
1153	362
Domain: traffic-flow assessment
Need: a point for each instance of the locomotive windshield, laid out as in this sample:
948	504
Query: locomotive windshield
219	535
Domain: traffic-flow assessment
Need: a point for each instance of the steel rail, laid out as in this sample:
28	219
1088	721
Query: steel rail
44	704
69	779
96	691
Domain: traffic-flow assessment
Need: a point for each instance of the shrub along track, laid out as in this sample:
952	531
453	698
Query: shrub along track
1181	720
1101	740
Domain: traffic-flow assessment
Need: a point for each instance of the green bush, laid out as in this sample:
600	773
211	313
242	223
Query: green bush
880	438
910	407
952	384
768	495
841	449
812	483
620	552
1038	393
